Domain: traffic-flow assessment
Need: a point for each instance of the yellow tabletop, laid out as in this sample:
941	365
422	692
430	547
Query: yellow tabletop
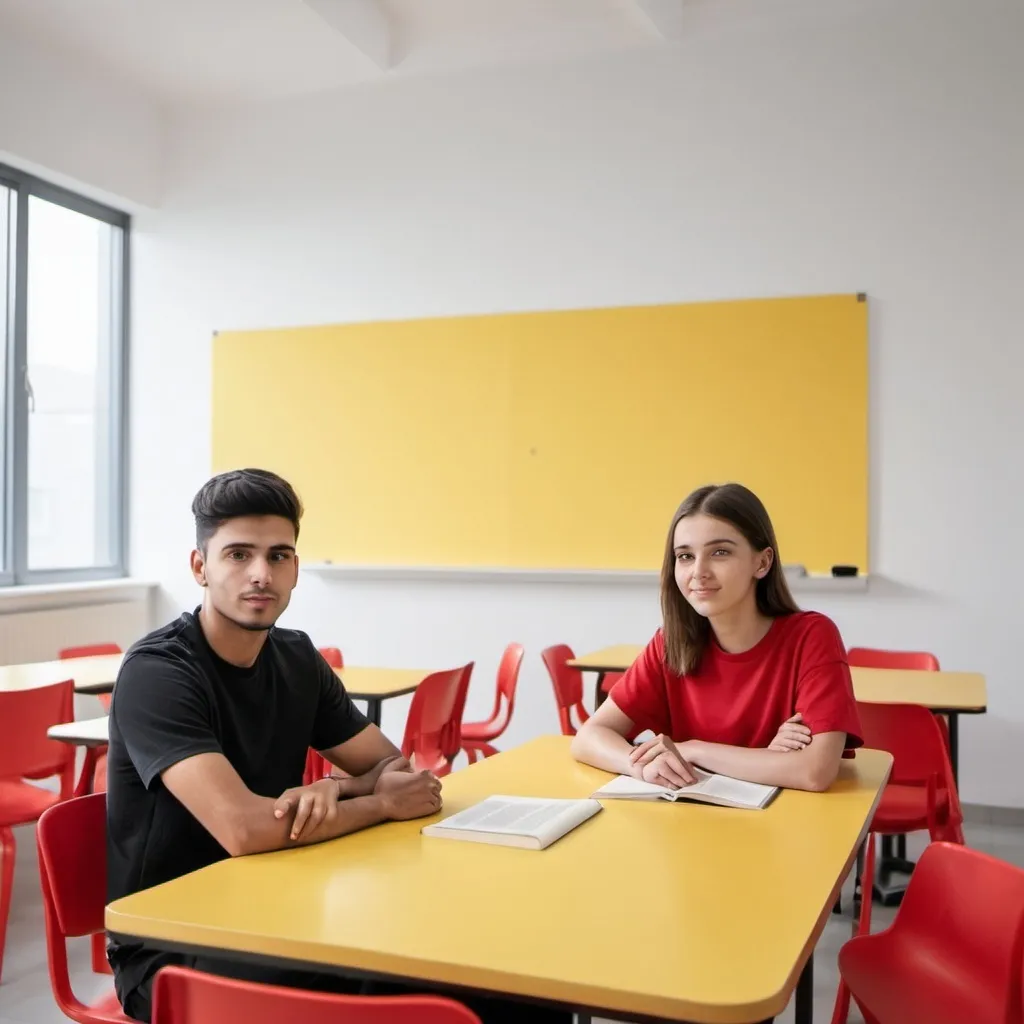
941	691
677	911
94	674
90	732
378	683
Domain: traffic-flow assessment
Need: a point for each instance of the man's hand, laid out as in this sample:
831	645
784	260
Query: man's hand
312	805
406	795
660	762
399	764
792	735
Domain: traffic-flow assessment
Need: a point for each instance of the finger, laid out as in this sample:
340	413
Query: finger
680	766
301	814
316	815
788	745
639	751
672	771
796	718
649	755
282	805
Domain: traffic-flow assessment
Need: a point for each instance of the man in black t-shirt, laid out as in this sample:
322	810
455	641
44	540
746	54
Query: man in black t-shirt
211	719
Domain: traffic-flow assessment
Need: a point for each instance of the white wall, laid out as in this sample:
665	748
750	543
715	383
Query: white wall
77	126
860	145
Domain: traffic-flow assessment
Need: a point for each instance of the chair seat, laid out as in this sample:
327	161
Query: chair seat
899	985
481	732
905	809
21	803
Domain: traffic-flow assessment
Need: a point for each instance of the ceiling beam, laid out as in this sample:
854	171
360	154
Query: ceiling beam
363	23
666	17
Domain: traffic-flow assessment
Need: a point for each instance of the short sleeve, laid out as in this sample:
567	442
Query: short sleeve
824	687
337	717
641	694
161	714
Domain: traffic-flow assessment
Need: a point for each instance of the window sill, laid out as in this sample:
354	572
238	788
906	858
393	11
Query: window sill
73	595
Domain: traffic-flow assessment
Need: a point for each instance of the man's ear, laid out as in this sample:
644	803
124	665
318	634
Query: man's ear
198	563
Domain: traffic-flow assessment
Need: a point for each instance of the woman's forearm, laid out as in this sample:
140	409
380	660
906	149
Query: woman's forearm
602	747
811	769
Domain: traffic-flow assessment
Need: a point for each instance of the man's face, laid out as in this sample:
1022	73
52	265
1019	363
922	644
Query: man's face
249	570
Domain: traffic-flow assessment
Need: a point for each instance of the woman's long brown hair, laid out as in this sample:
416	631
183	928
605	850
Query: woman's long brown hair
686	632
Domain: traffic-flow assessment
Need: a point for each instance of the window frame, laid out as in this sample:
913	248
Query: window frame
14	570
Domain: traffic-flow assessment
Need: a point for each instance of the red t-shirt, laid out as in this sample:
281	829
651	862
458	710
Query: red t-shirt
741	699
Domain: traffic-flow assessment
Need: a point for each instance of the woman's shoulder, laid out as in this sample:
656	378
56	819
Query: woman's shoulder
815	630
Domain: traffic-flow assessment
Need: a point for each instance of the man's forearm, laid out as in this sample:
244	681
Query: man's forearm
260	831
351	786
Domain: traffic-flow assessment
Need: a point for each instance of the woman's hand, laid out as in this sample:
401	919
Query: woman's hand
792	735
659	761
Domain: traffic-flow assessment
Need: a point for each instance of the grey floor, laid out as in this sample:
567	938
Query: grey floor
25	996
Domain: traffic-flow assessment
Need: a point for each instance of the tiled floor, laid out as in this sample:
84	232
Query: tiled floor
25	991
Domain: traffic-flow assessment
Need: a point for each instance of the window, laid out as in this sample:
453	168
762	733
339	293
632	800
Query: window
64	265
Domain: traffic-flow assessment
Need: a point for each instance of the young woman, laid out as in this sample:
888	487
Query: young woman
738	681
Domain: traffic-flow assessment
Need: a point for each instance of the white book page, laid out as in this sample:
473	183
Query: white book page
523	816
627	786
752	794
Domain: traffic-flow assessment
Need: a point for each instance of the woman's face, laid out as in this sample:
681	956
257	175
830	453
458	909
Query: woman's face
716	568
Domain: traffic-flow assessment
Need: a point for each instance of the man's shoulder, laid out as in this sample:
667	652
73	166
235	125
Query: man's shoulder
171	646
291	644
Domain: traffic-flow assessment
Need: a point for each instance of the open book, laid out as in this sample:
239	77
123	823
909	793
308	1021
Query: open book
708	789
527	822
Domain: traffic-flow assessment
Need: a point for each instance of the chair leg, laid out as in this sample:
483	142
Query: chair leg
100	965
862	926
842	1008
6	886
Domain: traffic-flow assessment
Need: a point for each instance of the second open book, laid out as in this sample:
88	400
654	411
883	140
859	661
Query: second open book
708	789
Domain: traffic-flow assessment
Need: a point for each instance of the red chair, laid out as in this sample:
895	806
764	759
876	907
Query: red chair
93	778
433	729
921	792
72	841
871	657
27	753
184	996
318	767
477	737
568	684
954	952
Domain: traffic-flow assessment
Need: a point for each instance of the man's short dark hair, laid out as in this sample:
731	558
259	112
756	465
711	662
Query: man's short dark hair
243	492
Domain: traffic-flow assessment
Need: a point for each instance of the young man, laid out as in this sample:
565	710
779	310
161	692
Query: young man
211	719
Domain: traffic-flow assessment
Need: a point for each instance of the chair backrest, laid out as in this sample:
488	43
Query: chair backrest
89	651
25	750
184	996
966	908
508	680
434	720
871	657
913	736
72	841
332	655
567	683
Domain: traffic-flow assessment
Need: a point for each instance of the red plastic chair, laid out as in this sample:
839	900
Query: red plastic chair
477	737
184	996
872	657
433	729
954	952
318	767
93	778
921	792
26	753
568	684
72	840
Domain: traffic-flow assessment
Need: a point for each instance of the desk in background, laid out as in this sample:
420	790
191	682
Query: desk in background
755	888
93	675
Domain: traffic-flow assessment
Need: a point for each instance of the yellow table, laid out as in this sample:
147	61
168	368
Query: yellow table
678	911
946	693
94	674
375	685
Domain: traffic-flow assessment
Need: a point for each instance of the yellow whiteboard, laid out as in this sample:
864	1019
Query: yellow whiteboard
556	440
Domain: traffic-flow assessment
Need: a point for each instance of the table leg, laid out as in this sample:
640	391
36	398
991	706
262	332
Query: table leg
599	694
954	746
804	1011
373	710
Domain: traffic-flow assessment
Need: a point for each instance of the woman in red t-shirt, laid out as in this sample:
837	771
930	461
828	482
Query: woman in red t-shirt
738	680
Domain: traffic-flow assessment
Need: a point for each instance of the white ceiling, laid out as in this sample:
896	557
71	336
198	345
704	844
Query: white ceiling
200	51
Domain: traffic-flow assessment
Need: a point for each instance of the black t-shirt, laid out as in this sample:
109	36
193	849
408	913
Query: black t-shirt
175	698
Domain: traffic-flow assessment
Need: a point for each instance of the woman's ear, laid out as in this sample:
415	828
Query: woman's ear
764	563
